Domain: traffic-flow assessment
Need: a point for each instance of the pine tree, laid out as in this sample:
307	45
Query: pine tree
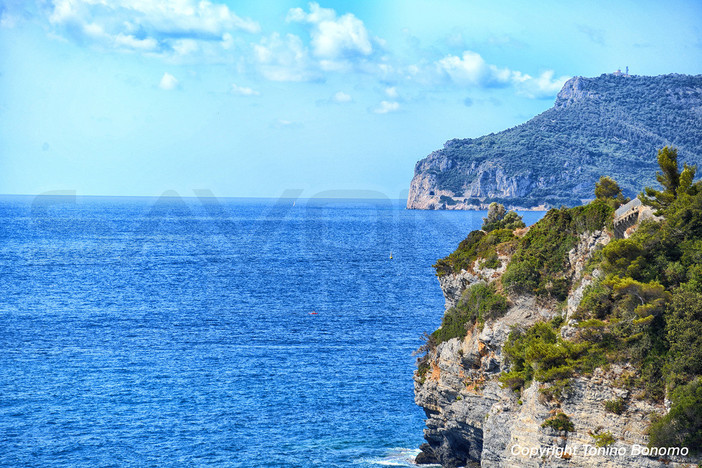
674	182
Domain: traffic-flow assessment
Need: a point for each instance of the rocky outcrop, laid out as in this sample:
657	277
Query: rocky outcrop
574	90
473	420
487	181
453	285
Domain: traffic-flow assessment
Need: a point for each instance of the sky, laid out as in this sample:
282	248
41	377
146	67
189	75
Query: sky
253	98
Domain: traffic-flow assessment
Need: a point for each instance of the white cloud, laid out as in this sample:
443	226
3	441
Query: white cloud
227	41
542	86
387	107
472	70
243	91
168	82
151	26
391	92
185	46
341	97
130	42
285	59
336	41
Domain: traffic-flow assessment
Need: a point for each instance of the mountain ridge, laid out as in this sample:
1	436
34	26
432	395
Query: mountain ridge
608	125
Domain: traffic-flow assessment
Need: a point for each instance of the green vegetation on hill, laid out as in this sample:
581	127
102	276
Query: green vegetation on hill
539	263
606	125
644	309
540	354
499	218
497	236
478	244
478	303
682	426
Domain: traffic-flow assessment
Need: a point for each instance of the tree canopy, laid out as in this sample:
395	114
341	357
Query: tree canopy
673	181
499	218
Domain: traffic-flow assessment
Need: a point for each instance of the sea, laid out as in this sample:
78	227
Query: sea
216	332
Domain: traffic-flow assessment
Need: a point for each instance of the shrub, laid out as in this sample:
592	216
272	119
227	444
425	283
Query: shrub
684	333
538	266
682	426
478	303
615	406
602	439
492	262
540	354
497	218
422	369
559	422
476	245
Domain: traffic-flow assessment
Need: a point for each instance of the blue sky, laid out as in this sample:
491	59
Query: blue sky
137	97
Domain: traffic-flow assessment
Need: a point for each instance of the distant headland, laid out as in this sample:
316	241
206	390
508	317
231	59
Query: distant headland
613	124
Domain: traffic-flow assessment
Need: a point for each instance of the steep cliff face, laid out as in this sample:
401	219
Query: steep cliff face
606	125
472	419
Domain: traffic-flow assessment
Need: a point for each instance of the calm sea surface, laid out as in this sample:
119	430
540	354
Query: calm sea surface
180	332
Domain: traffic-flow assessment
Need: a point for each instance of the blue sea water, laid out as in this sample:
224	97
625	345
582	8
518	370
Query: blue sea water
181	332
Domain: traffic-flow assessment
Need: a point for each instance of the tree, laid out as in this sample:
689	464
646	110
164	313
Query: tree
682	426
608	189
496	212
684	333
673	181
499	218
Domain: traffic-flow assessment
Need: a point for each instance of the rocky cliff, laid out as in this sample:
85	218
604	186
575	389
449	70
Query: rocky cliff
609	125
473	419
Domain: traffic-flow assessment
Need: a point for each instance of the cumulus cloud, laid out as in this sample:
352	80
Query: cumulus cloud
285	59
163	26
542	86
471	70
168	82
337	42
243	90
341	97
387	107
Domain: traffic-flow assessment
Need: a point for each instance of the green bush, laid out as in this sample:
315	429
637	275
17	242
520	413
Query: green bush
559	422
539	263
498	218
422	370
476	245
622	318
615	406
682	426
684	332
492	262
602	439
540	354
478	303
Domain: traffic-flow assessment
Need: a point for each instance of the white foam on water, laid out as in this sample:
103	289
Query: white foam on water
396	457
